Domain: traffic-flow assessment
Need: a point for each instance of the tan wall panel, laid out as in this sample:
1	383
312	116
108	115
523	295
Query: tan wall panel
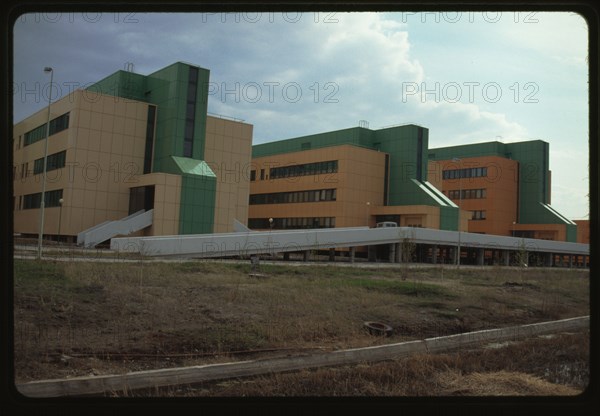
91	170
228	150
583	231
501	187
359	180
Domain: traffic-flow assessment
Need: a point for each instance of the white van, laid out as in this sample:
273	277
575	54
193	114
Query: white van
386	224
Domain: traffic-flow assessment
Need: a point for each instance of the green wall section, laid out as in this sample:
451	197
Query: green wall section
469	150
167	88
123	84
533	158
402	144
197	204
448	218
572	233
198	194
357	136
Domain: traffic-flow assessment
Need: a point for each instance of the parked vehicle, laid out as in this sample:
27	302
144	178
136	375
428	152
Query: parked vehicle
386	224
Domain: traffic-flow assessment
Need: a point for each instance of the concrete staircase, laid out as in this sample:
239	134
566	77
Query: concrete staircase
101	232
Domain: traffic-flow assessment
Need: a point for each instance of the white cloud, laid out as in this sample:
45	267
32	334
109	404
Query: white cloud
560	35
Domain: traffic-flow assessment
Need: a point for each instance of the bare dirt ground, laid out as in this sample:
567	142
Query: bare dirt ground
79	318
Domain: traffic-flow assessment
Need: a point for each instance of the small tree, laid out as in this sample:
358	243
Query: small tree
521	256
408	248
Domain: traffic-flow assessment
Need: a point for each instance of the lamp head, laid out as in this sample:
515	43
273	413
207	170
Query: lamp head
47	69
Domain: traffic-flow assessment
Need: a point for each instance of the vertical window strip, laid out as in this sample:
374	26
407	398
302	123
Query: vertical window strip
149	149
190	116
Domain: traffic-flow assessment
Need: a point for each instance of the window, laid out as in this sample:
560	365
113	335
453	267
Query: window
467	194
149	145
56	125
464	173
141	197
190	113
51	199
187	148
252	175
478	215
24	170
55	161
304	169
262	174
293	197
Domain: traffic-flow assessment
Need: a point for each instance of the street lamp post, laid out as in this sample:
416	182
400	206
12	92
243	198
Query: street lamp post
456	159
60	202
368	212
270	237
42	201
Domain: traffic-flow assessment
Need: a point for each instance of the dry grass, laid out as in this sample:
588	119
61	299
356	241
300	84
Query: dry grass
120	317
500	383
535	367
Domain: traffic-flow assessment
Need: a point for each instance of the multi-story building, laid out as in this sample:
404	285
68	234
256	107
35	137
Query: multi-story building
506	187
358	176
136	142
345	178
132	142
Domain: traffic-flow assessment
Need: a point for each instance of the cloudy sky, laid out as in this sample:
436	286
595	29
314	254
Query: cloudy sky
469	77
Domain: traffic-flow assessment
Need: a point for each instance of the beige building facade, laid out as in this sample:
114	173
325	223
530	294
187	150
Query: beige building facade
102	162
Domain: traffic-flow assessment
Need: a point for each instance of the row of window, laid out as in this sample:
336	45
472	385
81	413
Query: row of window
480	172
467	194
56	125
31	201
317	168
478	215
54	161
292	223
294	197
